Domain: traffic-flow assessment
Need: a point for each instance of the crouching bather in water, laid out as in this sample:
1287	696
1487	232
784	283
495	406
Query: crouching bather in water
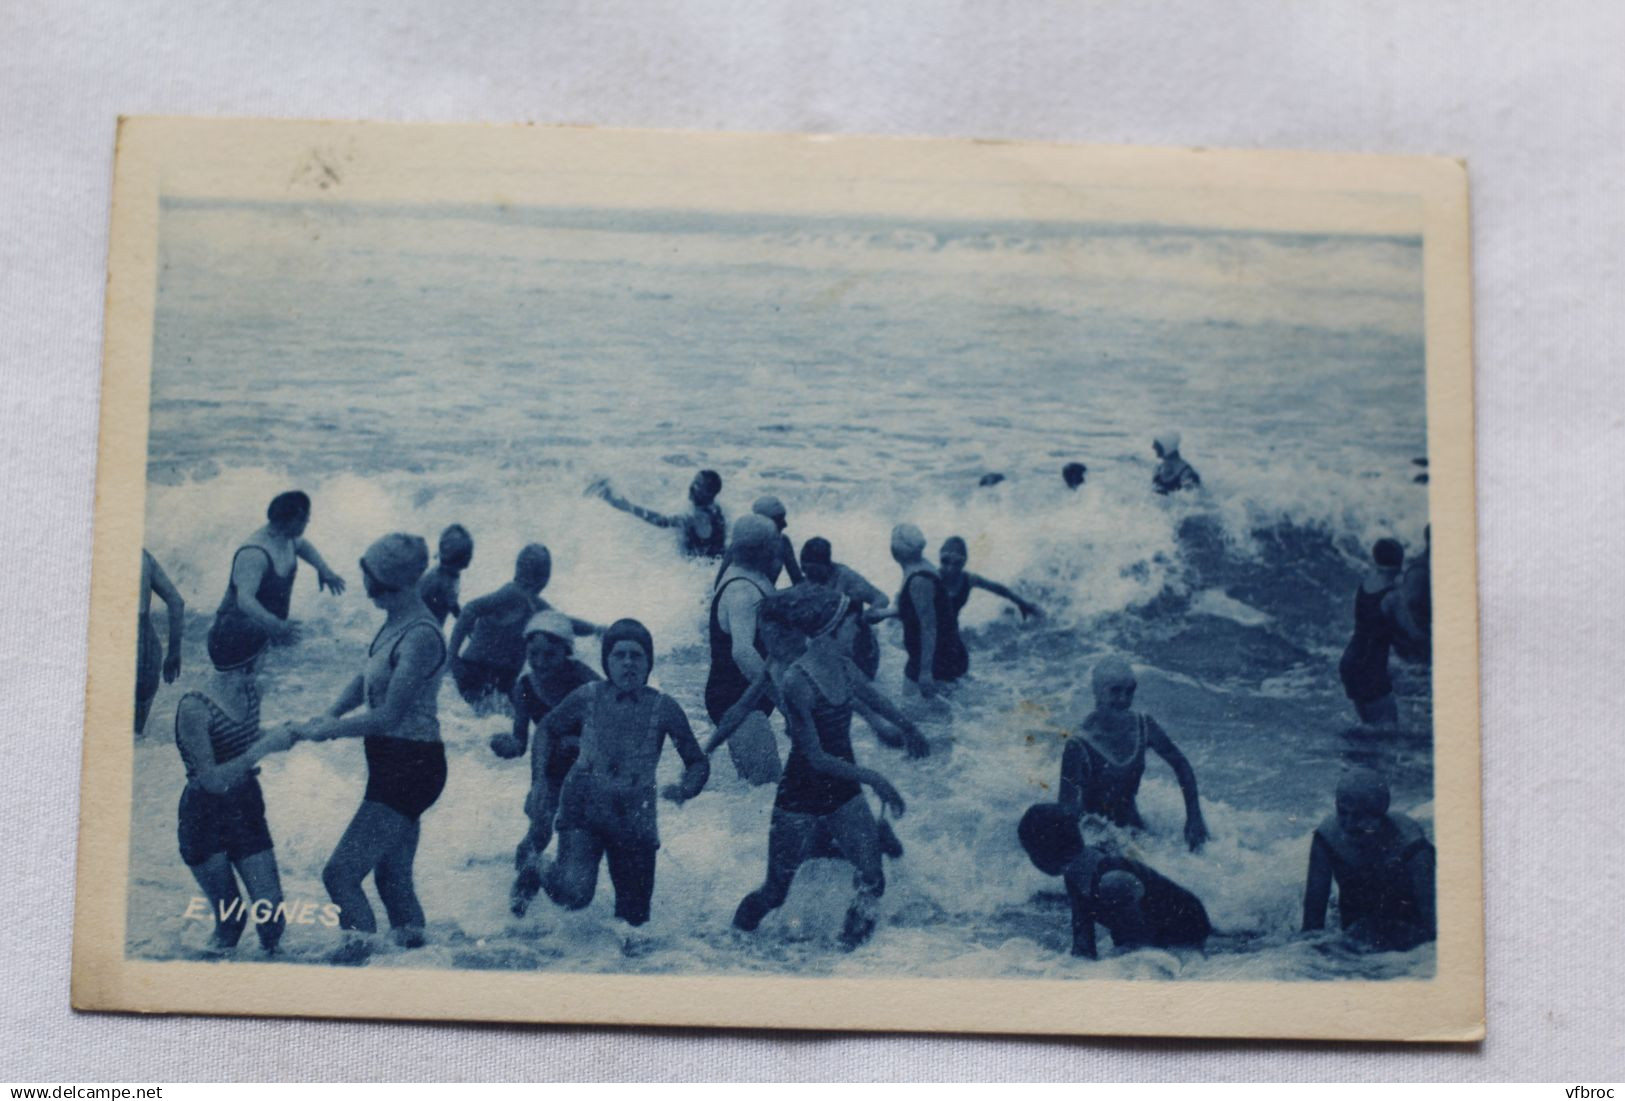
1139	906
607	804
822	784
1382	864
1102	764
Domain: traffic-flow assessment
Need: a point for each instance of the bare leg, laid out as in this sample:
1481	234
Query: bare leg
374	831
856	834
220	887
393	878
788	839
260	877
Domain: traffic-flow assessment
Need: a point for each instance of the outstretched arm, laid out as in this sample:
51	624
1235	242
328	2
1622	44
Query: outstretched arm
648	516
869	699
466	621
325	577
247	571
1026	608
192	732
858	588
1195	828
787	553
177	618
418	656
735	716
1317	890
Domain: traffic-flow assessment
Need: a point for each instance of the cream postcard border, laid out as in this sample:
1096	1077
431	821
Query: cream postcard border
343	162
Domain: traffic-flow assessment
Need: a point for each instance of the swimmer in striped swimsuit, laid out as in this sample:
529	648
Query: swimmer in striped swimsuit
221	819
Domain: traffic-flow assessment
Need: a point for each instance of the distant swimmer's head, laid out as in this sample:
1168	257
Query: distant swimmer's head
1073	474
1388	553
754	543
1165	444
771	507
393	565
289	513
1362	801
907	543
1119	894
1114	684
992	478
549	639
1050	836
456	548
533	569
628	654
705	487
953	555
236	644
817	561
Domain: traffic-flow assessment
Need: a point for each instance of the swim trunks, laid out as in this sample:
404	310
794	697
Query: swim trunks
232	823
405	776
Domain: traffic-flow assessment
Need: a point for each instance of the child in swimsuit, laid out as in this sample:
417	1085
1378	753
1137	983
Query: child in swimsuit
703	527
439	586
607	805
493	625
222	811
152	663
822	785
1101	767
1364	665
551	674
406	761
263	569
1139	906
1382	864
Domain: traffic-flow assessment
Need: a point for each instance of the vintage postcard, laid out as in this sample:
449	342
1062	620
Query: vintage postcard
563	575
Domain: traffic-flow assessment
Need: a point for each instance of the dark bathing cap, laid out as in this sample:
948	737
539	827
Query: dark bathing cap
1388	552
534	562
1362	791
233	643
816	552
1073	474
627	630
456	545
712	481
954	545
1050	835
288	507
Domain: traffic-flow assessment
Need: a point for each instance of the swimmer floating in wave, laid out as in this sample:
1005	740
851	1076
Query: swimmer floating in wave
607	805
406	761
496	622
1382	863
1173	473
551	674
152	662
1139	906
1102	765
821	569
822	785
263	570
221	818
703	526
439	586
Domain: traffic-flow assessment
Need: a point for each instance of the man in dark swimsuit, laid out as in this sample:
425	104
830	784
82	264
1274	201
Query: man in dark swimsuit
1364	665
1139	906
1382	863
439	587
936	656
260	593
738	655
703	526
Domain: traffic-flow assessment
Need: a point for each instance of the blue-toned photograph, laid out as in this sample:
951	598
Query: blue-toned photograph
672	592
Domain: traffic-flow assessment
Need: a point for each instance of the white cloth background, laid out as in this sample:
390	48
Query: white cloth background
1531	93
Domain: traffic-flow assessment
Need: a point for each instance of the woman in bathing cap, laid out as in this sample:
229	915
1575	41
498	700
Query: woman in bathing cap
936	656
1102	765
1173	473
406	762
